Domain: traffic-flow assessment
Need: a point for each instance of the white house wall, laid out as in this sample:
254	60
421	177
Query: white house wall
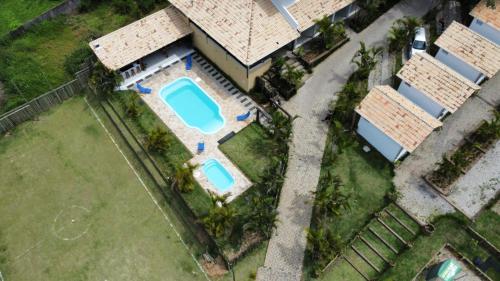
384	144
486	30
459	66
420	99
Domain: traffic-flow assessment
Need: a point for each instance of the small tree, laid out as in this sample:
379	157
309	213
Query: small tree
262	215
132	108
183	177
365	59
329	32
490	130
157	140
402	31
293	76
322	246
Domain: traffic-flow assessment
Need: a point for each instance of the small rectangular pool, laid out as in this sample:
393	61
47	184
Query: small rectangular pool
218	175
193	105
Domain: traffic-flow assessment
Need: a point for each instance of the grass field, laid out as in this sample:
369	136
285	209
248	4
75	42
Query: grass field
48	45
14	13
73	209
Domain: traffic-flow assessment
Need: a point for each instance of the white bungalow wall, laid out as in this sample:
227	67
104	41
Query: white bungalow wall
460	66
486	30
384	144
421	100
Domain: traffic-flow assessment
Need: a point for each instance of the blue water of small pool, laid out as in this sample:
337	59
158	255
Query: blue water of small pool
218	175
193	106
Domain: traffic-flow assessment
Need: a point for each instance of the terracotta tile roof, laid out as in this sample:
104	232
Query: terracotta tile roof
437	81
397	117
306	11
488	15
140	38
472	48
248	29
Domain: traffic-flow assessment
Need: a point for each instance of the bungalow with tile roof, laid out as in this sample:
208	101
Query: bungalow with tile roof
487	21
241	36
393	124
468	53
433	86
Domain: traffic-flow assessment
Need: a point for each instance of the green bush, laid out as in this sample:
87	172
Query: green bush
74	61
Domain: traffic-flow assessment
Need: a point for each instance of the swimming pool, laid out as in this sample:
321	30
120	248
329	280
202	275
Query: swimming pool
218	175
193	106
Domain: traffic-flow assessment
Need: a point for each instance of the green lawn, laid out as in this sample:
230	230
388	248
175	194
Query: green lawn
249	150
34	63
72	209
368	178
14	13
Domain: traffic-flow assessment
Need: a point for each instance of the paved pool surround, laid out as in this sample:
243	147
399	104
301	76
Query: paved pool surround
230	108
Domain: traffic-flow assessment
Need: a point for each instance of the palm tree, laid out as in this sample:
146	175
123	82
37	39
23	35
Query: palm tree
280	127
104	80
322	246
262	215
132	108
365	59
350	96
402	31
157	140
293	76
184	180
330	32
330	200
220	219
490	130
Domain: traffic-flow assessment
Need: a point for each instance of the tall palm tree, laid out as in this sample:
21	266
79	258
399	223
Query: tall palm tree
330	200
402	31
221	218
104	80
365	59
262	216
322	246
184	180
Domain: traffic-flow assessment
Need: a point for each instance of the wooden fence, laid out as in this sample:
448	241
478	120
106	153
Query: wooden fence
29	110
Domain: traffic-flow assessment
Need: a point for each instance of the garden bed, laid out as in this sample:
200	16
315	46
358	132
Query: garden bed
464	157
314	53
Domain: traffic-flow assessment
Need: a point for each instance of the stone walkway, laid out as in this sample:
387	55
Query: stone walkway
285	253
416	196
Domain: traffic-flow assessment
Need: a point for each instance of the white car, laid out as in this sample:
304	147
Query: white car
419	42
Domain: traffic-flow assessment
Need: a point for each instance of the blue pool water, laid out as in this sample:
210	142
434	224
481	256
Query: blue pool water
192	105
218	175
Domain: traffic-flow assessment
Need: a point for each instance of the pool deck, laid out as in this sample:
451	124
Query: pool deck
230	108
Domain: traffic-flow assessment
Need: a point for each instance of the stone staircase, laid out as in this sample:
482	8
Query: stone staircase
228	86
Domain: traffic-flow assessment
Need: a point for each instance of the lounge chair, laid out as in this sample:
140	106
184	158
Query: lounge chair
189	62
243	117
143	90
201	147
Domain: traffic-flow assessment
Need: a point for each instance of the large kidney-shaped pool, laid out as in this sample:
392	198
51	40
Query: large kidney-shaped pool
192	105
217	175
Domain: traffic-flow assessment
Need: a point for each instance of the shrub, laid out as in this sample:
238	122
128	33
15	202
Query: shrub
157	140
73	62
